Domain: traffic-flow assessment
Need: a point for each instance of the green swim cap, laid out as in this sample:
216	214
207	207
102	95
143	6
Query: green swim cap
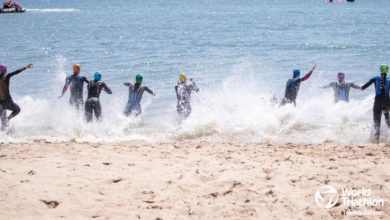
384	68
139	78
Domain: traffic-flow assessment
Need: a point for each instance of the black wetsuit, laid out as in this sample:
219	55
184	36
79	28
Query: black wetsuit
291	92
92	104
292	88
381	103
6	102
76	83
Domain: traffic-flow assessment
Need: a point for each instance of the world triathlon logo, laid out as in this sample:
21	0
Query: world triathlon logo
326	197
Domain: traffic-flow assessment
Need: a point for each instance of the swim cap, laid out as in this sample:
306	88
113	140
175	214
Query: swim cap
3	69
139	78
340	76
76	68
384	68
296	73
97	76
182	77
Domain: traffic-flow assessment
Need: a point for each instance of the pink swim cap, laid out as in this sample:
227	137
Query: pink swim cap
340	76
3	69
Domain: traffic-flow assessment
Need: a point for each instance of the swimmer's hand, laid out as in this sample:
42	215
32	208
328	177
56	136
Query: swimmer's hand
29	66
314	67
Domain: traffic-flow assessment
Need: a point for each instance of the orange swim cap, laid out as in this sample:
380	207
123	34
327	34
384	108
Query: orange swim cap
76	68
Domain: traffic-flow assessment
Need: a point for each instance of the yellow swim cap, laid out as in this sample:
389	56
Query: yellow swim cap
182	77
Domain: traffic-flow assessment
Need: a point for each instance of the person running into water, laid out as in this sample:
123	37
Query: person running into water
382	99
92	104
183	94
6	102
341	88
136	92
292	86
76	83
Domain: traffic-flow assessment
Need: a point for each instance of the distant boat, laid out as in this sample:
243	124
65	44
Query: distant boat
12	10
12	7
338	1
331	1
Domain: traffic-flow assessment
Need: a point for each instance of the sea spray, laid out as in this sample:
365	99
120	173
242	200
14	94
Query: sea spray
227	110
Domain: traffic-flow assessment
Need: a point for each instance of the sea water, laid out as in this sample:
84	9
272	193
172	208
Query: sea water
239	52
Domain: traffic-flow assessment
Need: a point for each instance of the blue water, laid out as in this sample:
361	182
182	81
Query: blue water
239	53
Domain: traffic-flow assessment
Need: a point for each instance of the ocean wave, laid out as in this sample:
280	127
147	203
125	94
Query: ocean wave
52	10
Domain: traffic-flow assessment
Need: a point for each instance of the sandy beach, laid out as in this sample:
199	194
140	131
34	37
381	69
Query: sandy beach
185	180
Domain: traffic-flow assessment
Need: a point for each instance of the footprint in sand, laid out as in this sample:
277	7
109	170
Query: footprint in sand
270	193
309	213
205	178
151	194
214	194
229	191
267	172
117	180
51	204
377	187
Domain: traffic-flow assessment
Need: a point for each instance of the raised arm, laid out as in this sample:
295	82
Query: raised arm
19	70
307	76
67	82
149	91
353	85
105	88
85	79
367	84
194	86
327	86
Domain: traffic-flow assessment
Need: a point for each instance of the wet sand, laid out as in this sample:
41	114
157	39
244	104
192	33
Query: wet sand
185	180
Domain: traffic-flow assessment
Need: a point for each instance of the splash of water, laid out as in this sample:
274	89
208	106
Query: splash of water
237	108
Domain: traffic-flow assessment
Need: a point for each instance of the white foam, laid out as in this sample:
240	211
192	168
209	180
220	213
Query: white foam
240	107
52	10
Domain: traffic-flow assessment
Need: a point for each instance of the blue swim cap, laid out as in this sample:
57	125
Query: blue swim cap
97	76
296	73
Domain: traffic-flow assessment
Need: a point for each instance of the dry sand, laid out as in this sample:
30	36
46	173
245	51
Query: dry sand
185	180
